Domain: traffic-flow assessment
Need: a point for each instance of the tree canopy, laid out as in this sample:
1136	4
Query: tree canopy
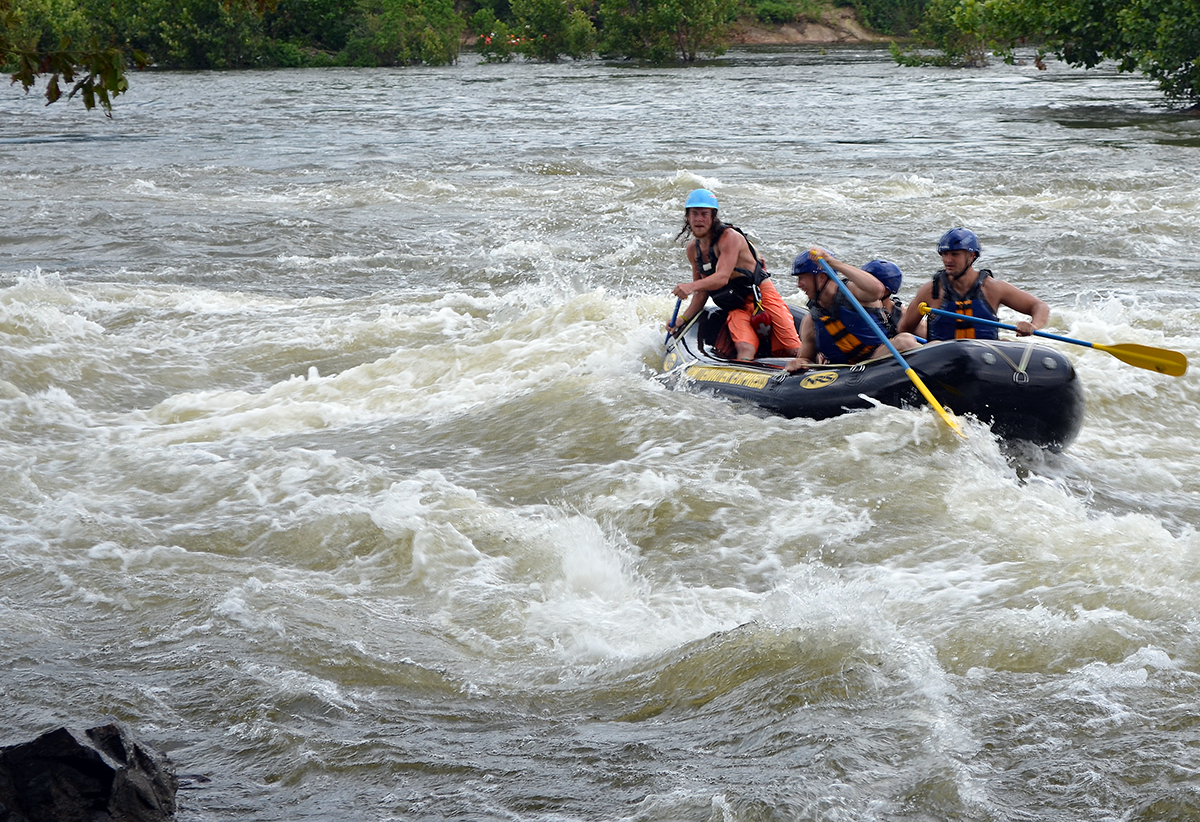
1160	38
33	43
84	47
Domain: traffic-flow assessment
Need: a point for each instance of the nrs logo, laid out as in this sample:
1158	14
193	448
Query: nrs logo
819	380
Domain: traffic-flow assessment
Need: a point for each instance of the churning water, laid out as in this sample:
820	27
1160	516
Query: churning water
334	459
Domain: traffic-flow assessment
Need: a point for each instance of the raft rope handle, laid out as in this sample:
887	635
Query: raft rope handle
1019	372
1025	357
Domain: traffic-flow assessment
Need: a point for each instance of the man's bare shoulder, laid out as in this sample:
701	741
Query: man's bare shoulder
999	287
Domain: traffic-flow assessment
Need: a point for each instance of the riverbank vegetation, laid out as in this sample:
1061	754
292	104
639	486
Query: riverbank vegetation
219	34
83	47
1160	38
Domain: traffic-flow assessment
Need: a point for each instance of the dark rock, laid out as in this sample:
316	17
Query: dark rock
99	775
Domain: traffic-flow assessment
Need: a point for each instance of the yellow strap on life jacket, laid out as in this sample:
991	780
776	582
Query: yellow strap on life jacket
964	331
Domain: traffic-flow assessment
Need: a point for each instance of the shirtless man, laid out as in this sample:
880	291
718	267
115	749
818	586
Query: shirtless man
726	267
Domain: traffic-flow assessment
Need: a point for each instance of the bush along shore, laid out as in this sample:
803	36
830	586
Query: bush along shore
85	47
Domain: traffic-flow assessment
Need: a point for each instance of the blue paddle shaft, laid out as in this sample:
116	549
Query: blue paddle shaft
674	315
863	312
908	371
994	324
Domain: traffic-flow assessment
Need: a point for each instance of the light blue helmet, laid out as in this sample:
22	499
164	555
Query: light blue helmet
887	273
701	198
805	264
959	239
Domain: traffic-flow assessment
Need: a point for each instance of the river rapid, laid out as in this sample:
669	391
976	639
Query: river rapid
335	458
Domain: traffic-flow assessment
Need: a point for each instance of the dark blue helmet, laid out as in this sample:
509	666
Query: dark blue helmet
887	273
805	264
959	239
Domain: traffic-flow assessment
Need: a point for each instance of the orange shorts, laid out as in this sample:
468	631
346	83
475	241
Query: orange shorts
743	325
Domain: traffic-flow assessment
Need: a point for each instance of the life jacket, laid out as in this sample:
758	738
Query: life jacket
891	319
843	336
971	304
732	295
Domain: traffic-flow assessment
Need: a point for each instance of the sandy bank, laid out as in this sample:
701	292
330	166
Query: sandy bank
837	25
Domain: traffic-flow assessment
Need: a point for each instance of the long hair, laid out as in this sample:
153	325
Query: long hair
715	231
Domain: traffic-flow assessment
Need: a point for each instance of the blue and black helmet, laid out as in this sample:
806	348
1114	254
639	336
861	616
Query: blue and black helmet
805	264
887	273
701	198
959	239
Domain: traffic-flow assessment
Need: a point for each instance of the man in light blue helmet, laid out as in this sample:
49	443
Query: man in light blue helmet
959	288
727	268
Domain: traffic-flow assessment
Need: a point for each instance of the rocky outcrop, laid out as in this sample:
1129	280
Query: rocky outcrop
99	775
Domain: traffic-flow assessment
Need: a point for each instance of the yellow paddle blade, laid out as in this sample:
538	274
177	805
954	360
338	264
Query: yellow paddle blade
937	406
1162	360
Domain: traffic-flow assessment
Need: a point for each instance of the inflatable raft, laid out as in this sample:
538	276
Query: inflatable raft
1024	390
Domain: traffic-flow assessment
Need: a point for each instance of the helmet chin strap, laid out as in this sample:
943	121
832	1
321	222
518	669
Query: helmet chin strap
821	287
956	277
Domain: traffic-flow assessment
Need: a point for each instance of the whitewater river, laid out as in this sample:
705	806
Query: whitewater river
336	463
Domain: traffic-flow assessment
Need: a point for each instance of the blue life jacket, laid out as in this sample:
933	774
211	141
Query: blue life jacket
843	336
971	304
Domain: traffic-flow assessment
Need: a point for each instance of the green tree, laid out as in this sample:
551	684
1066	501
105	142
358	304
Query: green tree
211	34
552	28
663	30
45	24
500	9
1160	38
1083	32
497	42
191	34
312	24
54	39
404	32
962	31
898	17
775	12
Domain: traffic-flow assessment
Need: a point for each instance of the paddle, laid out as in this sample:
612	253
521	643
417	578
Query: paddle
674	314
1162	360
912	375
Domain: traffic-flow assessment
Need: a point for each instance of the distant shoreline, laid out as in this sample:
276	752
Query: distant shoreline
837	26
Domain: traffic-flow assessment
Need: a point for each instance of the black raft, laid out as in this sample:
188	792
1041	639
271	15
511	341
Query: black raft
1024	390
